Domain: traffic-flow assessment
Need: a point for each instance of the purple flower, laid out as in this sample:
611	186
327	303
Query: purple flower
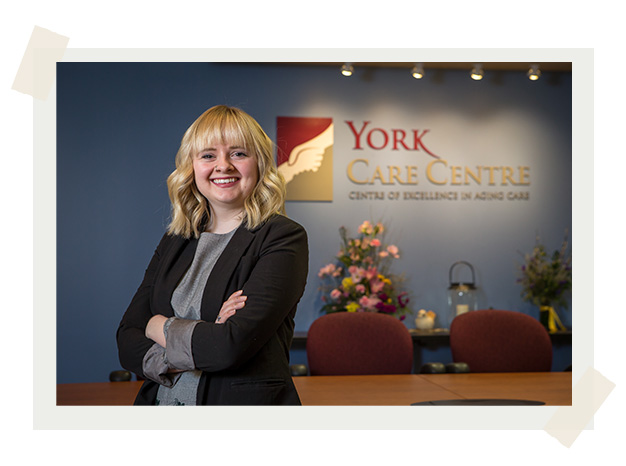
386	308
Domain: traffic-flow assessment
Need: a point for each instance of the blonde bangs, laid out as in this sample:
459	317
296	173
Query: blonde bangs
220	128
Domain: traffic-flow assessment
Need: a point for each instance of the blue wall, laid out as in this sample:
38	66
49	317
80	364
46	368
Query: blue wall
120	124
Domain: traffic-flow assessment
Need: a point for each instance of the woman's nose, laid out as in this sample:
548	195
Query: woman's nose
223	164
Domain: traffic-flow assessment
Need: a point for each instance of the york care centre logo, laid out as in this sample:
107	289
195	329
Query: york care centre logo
305	157
377	167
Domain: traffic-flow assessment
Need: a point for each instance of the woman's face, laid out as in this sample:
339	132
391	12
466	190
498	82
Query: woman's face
226	175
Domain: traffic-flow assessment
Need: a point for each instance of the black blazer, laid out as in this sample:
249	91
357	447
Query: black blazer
245	361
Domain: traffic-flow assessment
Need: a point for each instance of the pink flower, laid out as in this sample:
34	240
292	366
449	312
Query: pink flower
357	273
366	228
335	294
377	285
369	303
371	273
393	250
383	253
360	289
375	242
327	270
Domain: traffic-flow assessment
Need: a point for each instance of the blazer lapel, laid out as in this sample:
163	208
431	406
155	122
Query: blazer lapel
217	284
179	260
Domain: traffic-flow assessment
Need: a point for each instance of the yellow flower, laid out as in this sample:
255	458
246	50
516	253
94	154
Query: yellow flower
384	279
352	307
347	282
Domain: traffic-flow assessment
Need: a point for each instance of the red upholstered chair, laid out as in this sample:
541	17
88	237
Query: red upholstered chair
359	343
500	341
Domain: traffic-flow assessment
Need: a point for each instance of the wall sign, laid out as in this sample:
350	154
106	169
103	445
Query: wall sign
305	159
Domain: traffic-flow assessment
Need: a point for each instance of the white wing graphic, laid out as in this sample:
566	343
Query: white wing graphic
307	156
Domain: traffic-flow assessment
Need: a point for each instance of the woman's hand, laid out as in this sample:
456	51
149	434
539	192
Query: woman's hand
154	329
230	306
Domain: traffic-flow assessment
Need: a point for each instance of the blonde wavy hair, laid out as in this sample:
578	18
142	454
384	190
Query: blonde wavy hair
191	213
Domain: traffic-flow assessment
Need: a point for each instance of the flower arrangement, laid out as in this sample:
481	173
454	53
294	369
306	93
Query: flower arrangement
359	282
545	279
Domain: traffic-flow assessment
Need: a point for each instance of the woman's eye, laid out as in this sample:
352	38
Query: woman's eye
206	156
239	154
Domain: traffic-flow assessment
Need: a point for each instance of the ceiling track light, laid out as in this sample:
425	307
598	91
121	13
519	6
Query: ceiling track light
533	73
418	71
347	69
477	72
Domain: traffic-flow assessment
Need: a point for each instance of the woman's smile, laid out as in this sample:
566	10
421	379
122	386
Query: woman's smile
224	181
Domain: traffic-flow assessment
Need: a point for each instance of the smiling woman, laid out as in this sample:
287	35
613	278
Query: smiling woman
213	319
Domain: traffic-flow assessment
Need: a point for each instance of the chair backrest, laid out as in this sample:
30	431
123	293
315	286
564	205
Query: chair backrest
359	343
500	341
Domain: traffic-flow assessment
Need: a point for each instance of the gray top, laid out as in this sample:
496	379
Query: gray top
181	388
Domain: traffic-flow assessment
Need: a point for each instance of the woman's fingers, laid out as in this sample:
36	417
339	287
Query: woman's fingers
235	302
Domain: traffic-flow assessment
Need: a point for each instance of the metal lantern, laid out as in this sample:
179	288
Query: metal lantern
462	296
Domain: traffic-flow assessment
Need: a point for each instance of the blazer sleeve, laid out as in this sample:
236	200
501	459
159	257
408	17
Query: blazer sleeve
274	286
132	343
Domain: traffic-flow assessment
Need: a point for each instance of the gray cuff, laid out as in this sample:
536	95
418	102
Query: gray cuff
178	344
166	326
155	367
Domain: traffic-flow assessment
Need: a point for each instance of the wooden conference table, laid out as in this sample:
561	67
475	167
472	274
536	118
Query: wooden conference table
551	388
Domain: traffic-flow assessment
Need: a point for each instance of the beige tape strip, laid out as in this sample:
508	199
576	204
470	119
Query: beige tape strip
37	71
587	396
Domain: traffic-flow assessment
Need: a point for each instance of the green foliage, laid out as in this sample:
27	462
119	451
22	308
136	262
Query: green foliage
545	278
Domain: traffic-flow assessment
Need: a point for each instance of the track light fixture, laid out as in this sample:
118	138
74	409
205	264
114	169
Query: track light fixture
418	71
477	72
533	73
347	69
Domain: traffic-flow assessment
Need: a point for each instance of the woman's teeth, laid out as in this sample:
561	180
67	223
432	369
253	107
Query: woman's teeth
224	180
